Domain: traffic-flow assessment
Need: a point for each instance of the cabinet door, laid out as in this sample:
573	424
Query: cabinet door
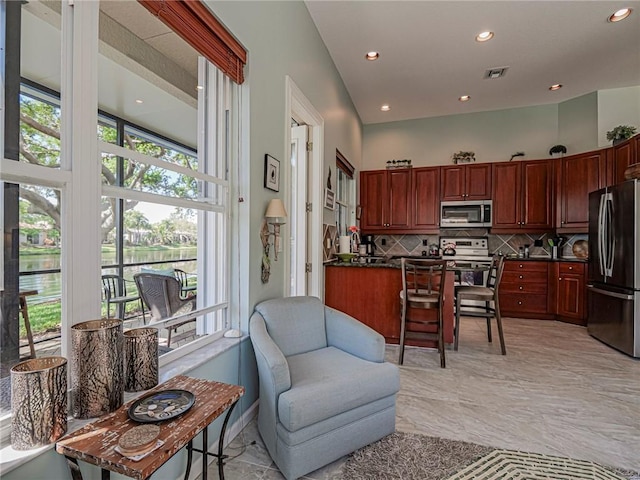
452	183
506	195
399	195
537	195
623	156
426	198
478	181
373	195
571	293
578	176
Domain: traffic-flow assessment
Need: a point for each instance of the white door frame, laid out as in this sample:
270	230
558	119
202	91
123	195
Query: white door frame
299	107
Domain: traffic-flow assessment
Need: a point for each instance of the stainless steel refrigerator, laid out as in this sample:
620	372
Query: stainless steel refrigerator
614	266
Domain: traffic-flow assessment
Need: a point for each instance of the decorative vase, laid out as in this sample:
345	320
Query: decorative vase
38	402
97	380
618	140
140	359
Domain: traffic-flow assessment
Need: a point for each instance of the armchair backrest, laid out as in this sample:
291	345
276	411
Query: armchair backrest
296	324
160	293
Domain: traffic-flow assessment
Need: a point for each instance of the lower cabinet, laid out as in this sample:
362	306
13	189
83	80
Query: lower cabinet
571	295
524	290
372	296
544	290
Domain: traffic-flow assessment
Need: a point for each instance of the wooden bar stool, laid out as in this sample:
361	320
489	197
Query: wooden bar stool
487	294
421	300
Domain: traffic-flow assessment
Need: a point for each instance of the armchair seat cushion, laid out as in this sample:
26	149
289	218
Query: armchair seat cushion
328	382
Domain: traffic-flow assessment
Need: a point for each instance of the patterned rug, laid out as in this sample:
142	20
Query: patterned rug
407	456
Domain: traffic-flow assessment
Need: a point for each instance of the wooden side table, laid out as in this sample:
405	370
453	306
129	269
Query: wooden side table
95	443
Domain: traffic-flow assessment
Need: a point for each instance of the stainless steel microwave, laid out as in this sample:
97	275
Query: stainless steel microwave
465	214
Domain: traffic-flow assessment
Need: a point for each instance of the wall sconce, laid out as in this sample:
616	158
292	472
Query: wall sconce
275	215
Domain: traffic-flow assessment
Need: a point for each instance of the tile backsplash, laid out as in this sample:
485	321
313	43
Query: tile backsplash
505	244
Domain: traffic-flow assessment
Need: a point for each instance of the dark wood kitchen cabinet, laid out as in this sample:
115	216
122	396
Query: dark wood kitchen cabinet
524	290
425	200
576	176
622	155
571	292
466	182
523	196
385	200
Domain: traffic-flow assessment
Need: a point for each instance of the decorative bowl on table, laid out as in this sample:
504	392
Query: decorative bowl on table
346	257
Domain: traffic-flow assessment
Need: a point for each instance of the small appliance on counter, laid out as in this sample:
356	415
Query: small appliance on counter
369	242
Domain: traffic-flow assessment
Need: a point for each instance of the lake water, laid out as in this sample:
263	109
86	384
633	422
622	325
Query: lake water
49	285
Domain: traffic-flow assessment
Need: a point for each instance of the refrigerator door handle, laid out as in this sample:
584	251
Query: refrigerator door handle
609	293
610	235
601	234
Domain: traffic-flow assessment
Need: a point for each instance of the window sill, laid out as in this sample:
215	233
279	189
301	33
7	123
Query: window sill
11	459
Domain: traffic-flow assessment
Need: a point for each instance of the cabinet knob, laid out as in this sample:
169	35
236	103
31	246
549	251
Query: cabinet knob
521	287
520	266
519	303
570	268
560	278
521	276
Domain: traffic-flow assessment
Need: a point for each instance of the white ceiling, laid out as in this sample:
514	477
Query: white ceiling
429	56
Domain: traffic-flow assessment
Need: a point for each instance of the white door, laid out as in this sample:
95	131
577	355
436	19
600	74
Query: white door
298	214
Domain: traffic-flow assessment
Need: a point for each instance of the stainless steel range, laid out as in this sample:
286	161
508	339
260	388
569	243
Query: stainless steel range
471	252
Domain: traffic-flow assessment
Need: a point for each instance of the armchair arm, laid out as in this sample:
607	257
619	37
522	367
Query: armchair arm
272	364
350	335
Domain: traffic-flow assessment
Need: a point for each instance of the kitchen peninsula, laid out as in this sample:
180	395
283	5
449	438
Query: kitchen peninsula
370	292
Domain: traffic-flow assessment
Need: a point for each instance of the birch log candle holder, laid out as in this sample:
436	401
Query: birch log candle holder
38	402
97	377
140	359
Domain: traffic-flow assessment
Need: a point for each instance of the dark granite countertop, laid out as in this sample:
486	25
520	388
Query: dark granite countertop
393	262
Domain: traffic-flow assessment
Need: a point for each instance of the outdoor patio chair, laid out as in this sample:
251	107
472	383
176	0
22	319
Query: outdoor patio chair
183	278
161	295
114	290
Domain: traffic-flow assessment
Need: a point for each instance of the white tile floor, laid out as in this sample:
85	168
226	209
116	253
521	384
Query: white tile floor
557	391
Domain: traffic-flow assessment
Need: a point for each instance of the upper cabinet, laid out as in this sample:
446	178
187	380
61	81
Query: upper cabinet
385	200
621	156
425	199
576	176
466	182
400	200
523	196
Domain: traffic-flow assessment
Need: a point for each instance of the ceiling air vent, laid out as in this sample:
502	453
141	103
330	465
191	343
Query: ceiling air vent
496	72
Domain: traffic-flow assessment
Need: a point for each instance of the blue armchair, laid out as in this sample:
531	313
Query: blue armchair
325	389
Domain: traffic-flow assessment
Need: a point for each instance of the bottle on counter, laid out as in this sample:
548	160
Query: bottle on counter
526	251
521	252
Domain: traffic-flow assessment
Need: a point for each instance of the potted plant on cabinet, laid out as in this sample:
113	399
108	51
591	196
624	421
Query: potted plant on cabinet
464	157
557	150
621	133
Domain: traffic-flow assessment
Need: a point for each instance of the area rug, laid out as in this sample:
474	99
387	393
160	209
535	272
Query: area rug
407	456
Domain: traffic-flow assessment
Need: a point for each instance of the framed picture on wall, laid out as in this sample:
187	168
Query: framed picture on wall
271	173
329	199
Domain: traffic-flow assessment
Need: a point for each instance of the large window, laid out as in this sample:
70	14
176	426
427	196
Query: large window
149	193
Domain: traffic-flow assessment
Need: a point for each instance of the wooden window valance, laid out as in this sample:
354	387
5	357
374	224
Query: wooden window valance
343	164
194	22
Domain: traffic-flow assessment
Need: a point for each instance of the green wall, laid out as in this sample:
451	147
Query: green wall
236	365
493	136
617	106
578	123
282	40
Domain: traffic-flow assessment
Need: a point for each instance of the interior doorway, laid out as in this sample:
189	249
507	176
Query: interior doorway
304	145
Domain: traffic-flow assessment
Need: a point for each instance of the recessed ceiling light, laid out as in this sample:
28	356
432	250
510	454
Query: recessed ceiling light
620	14
139	101
557	86
372	56
385	108
464	98
484	36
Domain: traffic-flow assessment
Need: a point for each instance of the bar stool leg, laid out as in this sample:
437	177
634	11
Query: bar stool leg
457	325
403	319
489	336
503	348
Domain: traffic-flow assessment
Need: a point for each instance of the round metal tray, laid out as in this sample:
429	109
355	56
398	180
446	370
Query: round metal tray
161	406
